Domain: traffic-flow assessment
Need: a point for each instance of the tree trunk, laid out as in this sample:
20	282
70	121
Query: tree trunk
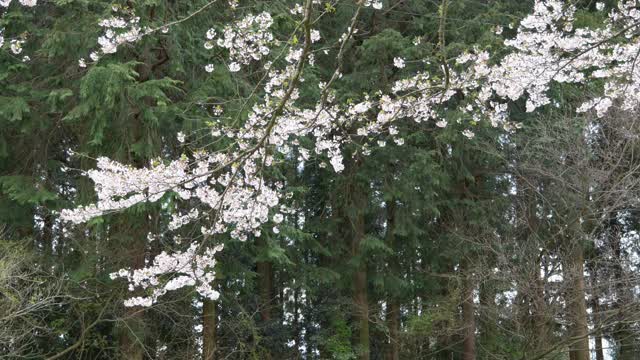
487	318
209	322
132	338
362	313
598	337
360	296
532	308
352	216
130	347
623	334
468	320
295	323
595	310
131	341
393	311
538	303
393	322
574	275
539	312
265	276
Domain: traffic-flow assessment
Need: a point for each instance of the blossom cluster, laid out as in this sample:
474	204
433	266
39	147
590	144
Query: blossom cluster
29	3
376	4
549	49
119	187
246	40
238	198
124	27
182	268
546	50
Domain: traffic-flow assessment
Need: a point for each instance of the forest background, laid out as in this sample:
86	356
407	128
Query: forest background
436	244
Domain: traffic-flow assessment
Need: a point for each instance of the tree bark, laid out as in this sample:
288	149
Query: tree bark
538	303
468	320
265	274
539	311
132	337
362	313
595	310
265	278
574	275
352	215
209	322
129	346
487	317
623	334
393	312
360	296
393	322
598	337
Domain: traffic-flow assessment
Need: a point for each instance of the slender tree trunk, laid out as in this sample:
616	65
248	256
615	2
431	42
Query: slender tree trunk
130	347
47	238
622	332
360	296
574	275
598	337
362	313
131	338
209	322
443	346
393	303
393	322
531	305
468	320
487	319
595	310
538	303
265	276
295	324
326	261
352	215
539	311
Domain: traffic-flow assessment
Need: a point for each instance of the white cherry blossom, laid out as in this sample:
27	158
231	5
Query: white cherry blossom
398	62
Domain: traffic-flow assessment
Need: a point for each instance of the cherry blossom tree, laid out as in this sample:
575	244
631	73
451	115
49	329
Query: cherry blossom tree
229	186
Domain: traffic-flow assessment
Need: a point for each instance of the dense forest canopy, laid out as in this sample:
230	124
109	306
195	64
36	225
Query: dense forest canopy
342	179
